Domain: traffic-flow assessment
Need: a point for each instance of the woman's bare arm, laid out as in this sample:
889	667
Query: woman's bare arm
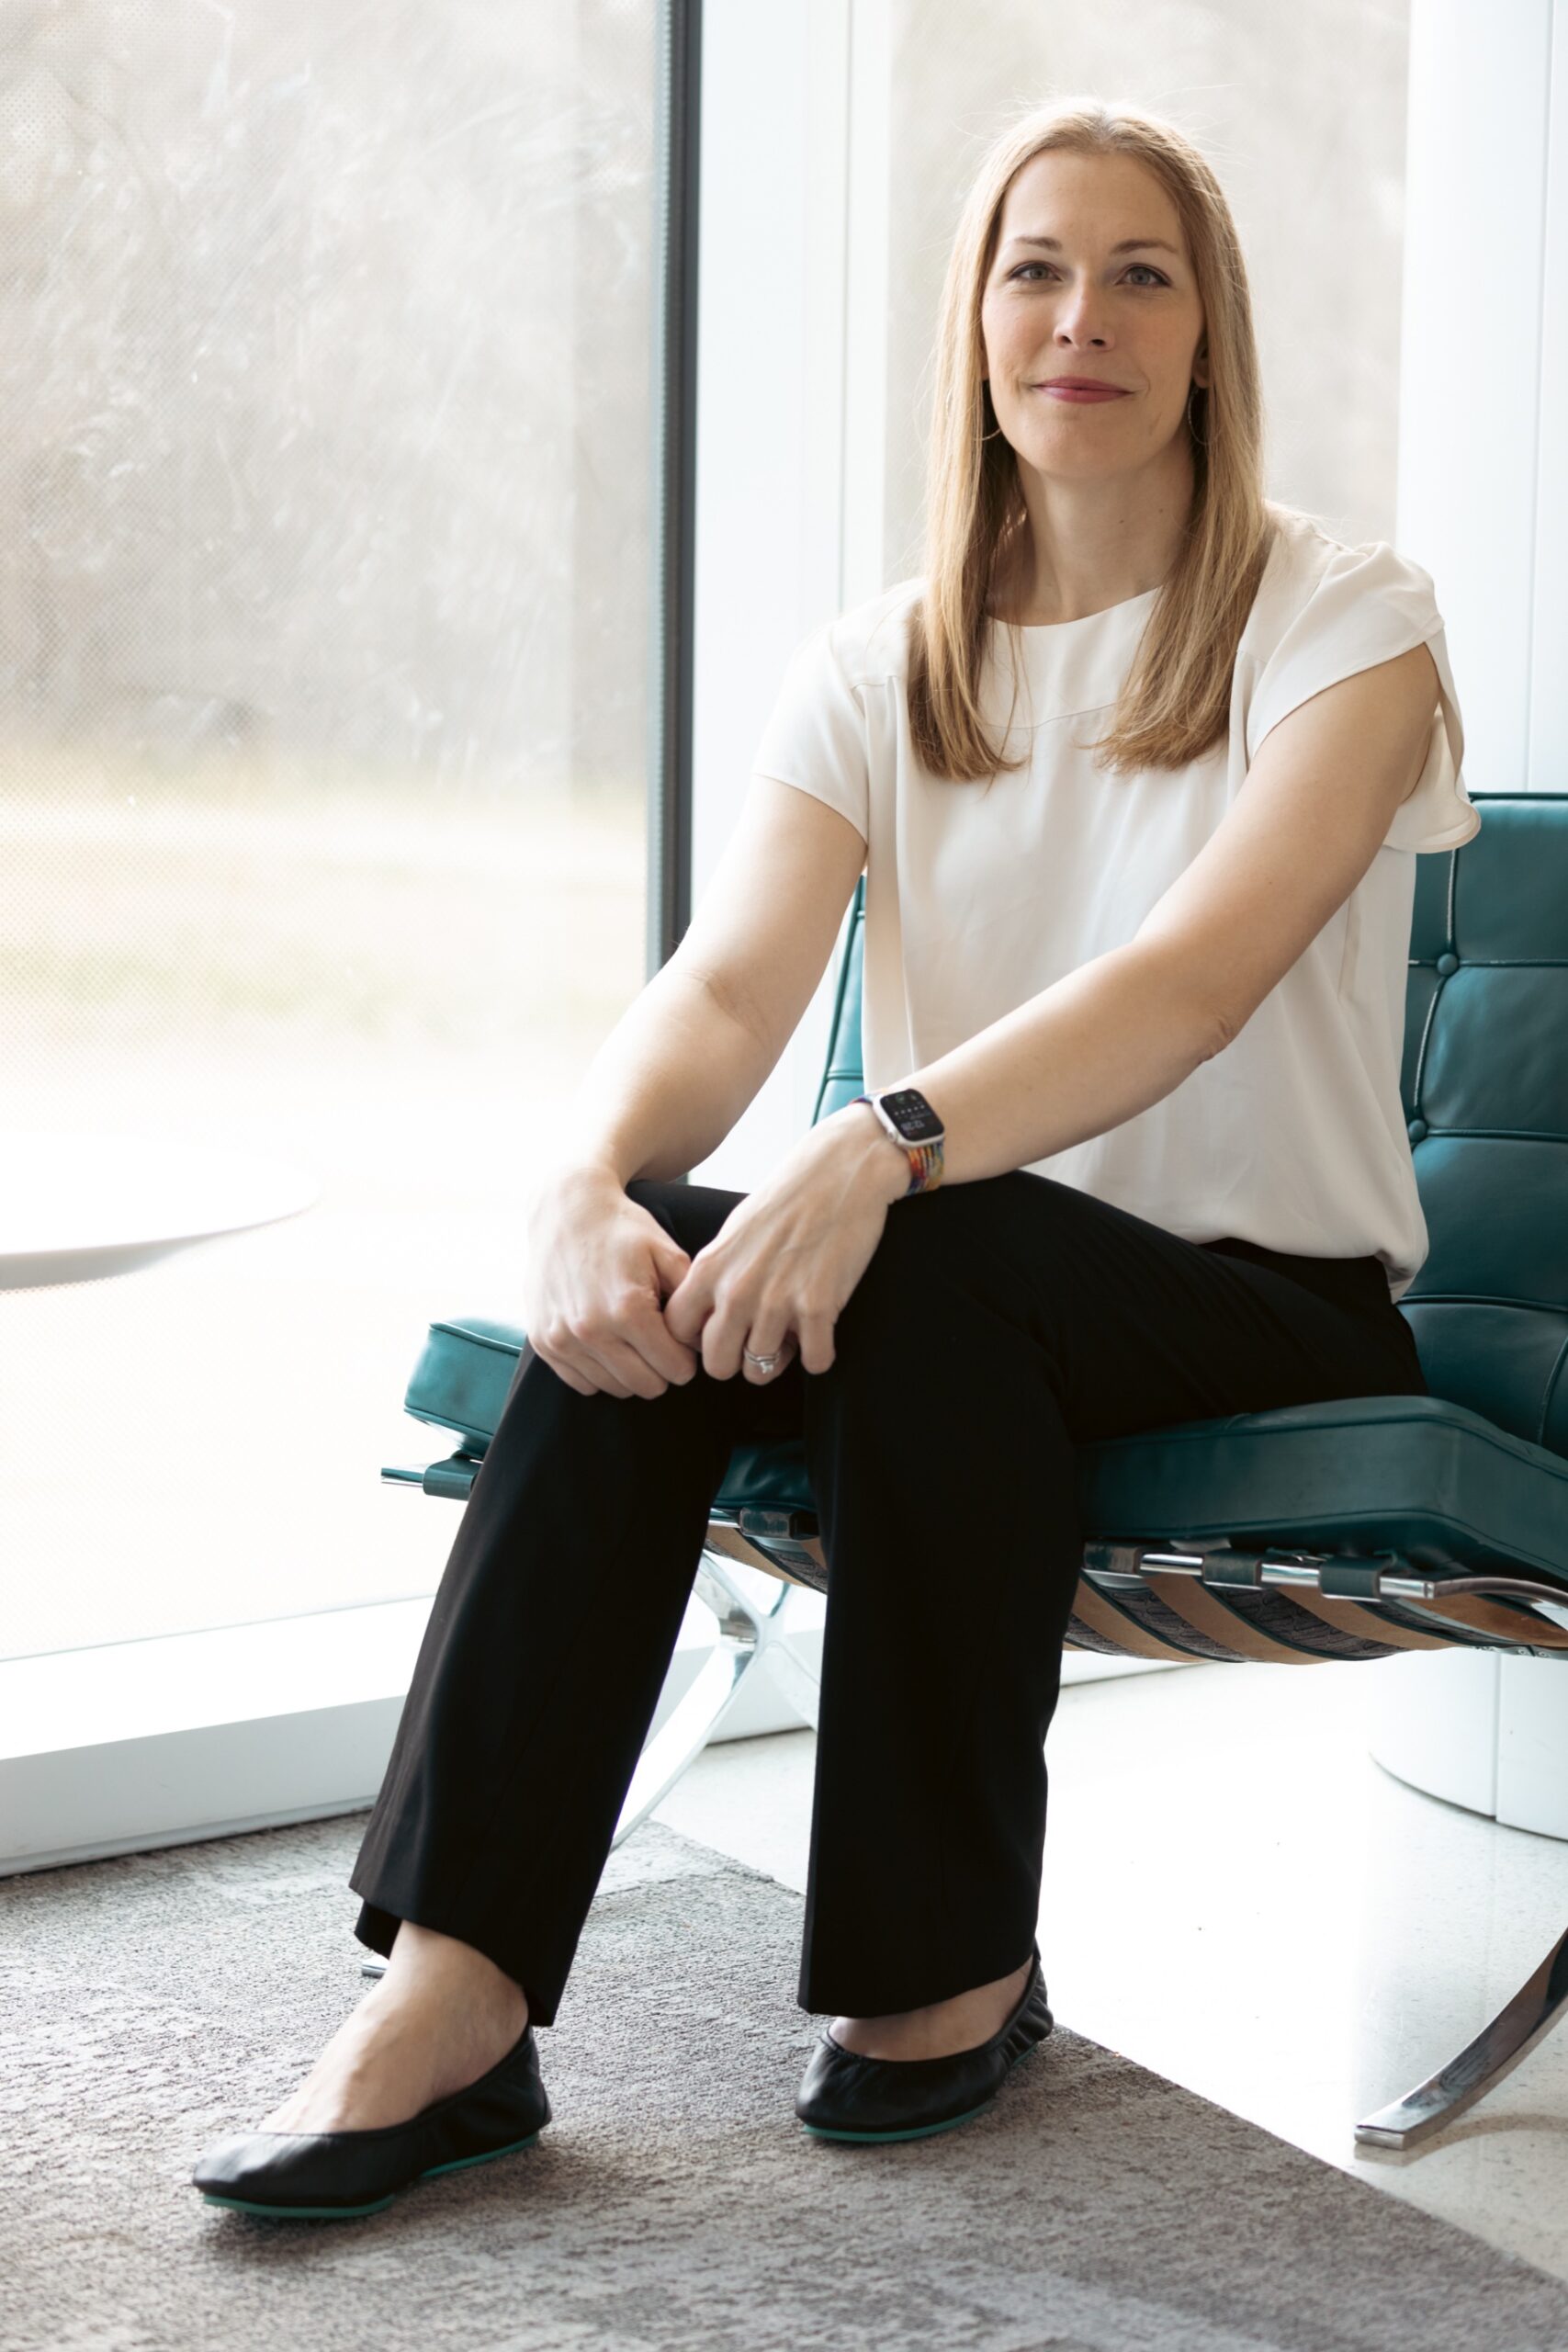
695	1048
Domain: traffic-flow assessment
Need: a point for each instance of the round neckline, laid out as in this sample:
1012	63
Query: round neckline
1034	628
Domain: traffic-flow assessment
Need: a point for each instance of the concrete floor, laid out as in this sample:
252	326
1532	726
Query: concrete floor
1239	1898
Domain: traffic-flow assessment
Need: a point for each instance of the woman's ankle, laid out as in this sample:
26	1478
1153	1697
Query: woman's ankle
427	1960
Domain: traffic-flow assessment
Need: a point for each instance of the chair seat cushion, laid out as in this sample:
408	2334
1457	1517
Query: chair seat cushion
1437	1484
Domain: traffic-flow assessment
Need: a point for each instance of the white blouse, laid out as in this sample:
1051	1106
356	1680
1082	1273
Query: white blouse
980	896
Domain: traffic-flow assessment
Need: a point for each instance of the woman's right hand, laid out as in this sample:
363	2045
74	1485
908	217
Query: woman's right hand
599	1269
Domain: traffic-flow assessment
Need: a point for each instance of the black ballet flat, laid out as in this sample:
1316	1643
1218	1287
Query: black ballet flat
337	2175
845	2096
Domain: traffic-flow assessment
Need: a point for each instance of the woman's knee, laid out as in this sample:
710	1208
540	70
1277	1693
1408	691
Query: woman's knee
929	1243
943	1228
691	1213
652	1193
974	1240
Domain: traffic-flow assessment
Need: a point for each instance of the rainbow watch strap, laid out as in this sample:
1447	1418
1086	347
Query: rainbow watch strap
925	1159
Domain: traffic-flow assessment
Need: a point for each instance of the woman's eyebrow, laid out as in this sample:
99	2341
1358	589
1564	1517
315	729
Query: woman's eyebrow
1125	245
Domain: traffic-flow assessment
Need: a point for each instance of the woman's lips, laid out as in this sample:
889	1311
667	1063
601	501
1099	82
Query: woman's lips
1082	392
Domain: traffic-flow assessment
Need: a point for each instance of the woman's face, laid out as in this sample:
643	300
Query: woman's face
1077	306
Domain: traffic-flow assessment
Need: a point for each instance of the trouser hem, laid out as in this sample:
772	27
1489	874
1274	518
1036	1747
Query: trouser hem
837	1991
377	1927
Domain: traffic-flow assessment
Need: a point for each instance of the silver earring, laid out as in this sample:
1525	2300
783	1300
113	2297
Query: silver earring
1201	438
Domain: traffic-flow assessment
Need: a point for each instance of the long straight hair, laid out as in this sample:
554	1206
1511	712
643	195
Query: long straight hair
1175	703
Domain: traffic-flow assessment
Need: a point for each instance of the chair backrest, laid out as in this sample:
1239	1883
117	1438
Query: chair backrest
1485	1087
1485	1083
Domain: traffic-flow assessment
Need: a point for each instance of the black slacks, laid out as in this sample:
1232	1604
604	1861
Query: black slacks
996	1323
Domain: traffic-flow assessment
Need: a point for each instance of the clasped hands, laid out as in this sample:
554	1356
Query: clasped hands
779	1272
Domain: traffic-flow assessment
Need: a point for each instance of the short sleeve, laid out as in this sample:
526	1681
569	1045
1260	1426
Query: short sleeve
1369	604
814	736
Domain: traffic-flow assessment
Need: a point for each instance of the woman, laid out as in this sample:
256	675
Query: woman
1157	1021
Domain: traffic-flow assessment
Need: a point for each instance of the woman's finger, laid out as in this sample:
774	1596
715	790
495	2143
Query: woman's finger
781	1350
815	1333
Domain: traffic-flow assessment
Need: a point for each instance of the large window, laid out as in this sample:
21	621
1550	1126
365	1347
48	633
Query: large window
324	726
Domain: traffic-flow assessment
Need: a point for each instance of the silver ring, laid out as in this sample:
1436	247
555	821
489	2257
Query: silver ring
764	1363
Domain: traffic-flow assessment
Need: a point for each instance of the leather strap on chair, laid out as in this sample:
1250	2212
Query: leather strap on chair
1484	1616
1365	1624
1206	1613
812	1546
1102	1616
721	1537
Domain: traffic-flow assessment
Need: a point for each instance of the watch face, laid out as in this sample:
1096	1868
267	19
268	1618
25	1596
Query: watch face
912	1114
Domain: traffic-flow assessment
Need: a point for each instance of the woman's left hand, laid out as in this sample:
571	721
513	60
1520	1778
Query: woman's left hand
786	1260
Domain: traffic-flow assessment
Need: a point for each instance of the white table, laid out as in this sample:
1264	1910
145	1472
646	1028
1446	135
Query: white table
1487	1729
77	1207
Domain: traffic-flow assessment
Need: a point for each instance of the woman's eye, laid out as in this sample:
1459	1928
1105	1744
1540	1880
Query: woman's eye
1159	276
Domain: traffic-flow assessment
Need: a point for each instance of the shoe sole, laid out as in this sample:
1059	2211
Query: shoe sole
924	2130
379	2205
919	2131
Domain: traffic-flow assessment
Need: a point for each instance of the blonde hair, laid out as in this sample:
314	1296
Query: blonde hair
1176	702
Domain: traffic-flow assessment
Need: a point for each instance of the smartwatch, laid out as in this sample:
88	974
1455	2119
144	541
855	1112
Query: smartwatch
911	1121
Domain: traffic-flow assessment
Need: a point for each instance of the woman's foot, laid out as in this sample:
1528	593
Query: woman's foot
941	2029
443	2014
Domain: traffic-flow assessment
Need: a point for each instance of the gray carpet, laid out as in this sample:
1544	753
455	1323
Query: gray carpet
155	2002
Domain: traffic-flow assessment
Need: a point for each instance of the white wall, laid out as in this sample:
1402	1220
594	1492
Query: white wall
1484	374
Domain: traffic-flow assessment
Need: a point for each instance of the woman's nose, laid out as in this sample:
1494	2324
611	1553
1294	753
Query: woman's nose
1080	316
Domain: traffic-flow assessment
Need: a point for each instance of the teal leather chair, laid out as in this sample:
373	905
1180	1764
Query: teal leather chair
1349	1530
